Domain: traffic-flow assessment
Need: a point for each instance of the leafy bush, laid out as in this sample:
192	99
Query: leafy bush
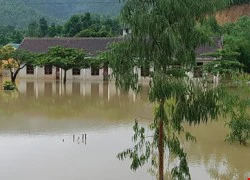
9	86
239	129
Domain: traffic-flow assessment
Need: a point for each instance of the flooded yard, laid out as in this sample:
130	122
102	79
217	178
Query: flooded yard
48	131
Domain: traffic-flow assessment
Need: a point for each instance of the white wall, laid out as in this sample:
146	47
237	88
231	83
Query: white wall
39	74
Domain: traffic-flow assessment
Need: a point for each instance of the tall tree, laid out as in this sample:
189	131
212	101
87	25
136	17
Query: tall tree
64	58
165	35
43	27
52	30
33	29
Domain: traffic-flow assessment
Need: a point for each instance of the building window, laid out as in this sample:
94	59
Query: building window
29	69
94	70
76	71
145	71
47	69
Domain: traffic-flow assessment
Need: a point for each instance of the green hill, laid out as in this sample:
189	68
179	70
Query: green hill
21	12
19	15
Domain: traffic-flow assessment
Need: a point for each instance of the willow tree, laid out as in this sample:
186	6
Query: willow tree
164	35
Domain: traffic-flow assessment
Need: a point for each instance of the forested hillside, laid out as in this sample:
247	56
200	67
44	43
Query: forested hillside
21	12
19	15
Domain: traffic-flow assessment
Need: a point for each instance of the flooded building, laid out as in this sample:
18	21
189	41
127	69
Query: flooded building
91	46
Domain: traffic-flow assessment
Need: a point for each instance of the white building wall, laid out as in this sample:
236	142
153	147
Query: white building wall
88	76
39	74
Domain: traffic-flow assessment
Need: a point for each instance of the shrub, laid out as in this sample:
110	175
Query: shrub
9	86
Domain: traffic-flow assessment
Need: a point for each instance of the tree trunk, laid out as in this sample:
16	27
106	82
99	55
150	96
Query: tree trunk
14	76
161	150
64	78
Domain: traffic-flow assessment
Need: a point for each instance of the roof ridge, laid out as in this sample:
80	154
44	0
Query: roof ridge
66	38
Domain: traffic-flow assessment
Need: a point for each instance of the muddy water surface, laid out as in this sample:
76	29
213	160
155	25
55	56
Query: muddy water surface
52	132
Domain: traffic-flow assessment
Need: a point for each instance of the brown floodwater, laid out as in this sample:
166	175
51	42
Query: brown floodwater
52	132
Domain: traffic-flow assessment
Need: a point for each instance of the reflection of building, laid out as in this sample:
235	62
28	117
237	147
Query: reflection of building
91	46
94	89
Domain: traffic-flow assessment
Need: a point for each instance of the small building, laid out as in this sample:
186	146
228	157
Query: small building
92	46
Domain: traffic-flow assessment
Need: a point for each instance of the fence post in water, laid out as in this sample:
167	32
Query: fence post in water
73	138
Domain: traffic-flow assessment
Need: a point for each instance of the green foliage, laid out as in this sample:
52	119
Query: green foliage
91	25
225	63
9	86
65	58
232	2
237	110
18	14
15	60
43	27
164	35
10	34
239	128
237	38
81	25
33	29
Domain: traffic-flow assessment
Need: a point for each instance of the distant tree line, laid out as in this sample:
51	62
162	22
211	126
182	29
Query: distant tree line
82	25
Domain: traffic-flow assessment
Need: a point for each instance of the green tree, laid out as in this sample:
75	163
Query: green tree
225	63
73	26
165	35
33	29
64	58
15	60
16	37
52	30
91	25
43	27
237	38
10	34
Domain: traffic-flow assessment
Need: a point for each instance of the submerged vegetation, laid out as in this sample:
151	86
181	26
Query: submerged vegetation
8	85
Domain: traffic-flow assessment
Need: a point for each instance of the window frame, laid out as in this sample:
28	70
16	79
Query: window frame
30	69
76	72
95	71
48	71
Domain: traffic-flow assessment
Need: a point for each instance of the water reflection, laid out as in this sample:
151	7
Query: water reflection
81	101
43	125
